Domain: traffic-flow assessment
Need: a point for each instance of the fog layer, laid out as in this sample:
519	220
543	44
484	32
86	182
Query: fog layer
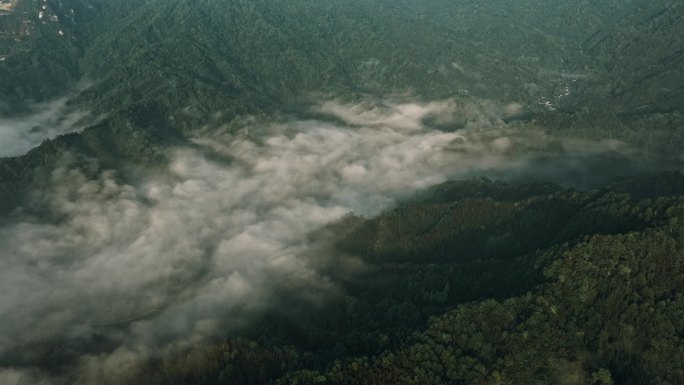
194	253
20	134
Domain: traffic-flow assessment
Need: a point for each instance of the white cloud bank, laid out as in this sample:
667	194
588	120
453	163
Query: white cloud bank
188	255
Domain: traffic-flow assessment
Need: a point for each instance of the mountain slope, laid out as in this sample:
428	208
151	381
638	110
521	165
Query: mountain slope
195	228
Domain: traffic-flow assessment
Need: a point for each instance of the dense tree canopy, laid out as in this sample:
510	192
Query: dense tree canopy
469	282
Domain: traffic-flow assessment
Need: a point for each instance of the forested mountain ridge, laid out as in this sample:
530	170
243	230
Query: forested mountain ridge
157	70
338	47
297	192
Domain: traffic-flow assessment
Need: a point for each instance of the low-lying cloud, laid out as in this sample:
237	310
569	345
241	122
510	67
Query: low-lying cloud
20	134
188	255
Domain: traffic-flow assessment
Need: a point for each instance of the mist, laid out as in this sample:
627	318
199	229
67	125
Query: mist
20	134
194	253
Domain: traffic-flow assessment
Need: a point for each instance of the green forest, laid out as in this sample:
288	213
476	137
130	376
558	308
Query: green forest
482	283
563	267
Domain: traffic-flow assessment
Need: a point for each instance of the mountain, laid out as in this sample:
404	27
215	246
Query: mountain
350	191
543	284
156	70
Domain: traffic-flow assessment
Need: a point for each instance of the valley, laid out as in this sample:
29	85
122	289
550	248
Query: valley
341	192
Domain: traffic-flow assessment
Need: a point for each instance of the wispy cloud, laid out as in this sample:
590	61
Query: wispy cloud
20	134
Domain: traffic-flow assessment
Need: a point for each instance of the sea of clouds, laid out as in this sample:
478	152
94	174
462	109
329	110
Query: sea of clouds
187	255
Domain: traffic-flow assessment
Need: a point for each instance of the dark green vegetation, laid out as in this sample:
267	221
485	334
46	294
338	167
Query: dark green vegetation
180	65
482	283
474	282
